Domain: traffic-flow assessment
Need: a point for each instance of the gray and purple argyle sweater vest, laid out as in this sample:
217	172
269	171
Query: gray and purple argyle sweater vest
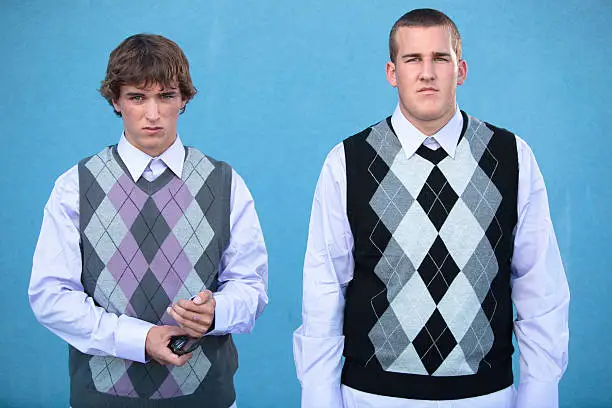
145	245
428	313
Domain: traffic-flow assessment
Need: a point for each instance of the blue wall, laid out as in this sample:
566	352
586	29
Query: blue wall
280	83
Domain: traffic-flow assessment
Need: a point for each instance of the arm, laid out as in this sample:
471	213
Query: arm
243	278
328	267
539	291
56	293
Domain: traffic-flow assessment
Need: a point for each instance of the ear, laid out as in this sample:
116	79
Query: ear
390	68
462	72
116	106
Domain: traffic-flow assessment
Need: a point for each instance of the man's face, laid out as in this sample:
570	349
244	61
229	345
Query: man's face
426	73
150	116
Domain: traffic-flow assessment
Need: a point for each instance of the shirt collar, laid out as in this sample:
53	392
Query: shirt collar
136	160
411	138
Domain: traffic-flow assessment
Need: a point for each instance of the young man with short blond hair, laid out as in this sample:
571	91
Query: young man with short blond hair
426	228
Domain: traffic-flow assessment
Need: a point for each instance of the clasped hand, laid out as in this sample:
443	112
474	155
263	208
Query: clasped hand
195	316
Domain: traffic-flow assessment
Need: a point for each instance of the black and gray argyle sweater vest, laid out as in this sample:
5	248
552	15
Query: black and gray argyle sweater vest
428	313
145	245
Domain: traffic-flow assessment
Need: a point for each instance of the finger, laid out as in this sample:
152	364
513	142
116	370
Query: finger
180	310
202	315
163	355
186	308
191	321
194	329
203	297
169	332
183	359
175	359
195	334
187	316
188	305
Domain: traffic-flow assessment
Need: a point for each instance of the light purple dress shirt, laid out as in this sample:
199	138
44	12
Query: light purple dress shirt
539	288
56	293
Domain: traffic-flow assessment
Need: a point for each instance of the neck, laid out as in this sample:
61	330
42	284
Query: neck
154	150
428	127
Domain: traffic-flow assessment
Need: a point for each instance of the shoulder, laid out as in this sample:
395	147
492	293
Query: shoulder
205	163
102	156
496	138
522	147
196	157
525	156
64	197
206	167
68	181
379	128
498	131
335	161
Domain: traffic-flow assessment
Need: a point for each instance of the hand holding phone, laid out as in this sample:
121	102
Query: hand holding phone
183	344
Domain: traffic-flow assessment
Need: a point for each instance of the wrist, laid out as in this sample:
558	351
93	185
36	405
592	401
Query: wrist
212	325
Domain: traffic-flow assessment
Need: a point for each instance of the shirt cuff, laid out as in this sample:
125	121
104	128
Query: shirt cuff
318	362
322	396
222	316
131	338
537	394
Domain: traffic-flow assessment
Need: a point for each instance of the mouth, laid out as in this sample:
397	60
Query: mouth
152	129
427	90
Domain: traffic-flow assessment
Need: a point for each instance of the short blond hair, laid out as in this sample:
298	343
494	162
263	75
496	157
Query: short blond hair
424	18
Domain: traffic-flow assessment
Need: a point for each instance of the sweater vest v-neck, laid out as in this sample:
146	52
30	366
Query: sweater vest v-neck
428	313
145	245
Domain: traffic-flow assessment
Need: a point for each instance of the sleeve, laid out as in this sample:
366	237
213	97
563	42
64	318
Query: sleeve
56	294
241	295
328	267
540	291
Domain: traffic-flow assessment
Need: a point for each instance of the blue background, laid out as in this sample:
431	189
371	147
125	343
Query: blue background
280	83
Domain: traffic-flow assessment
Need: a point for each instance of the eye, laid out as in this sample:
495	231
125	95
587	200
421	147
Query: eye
169	95
412	60
441	59
137	98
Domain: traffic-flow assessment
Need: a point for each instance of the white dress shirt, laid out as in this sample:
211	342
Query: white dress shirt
539	288
56	293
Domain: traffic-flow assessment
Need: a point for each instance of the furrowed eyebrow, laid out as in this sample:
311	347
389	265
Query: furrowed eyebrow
419	55
413	55
134	94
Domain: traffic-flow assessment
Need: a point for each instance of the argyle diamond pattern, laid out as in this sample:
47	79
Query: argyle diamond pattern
142	251
121	377
437	198
436	261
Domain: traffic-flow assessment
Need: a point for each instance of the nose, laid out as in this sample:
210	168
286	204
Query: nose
427	70
151	111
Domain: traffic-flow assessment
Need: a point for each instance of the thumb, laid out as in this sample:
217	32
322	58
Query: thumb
202	297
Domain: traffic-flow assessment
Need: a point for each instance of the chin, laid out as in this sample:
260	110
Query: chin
429	116
436	112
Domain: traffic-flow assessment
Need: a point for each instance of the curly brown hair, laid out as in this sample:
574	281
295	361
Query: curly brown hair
143	60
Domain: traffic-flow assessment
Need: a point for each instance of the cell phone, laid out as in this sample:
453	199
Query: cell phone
183	344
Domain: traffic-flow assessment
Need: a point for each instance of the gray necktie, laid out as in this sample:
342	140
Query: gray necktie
148	173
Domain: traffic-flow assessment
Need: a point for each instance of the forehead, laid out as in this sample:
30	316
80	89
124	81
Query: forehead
423	40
